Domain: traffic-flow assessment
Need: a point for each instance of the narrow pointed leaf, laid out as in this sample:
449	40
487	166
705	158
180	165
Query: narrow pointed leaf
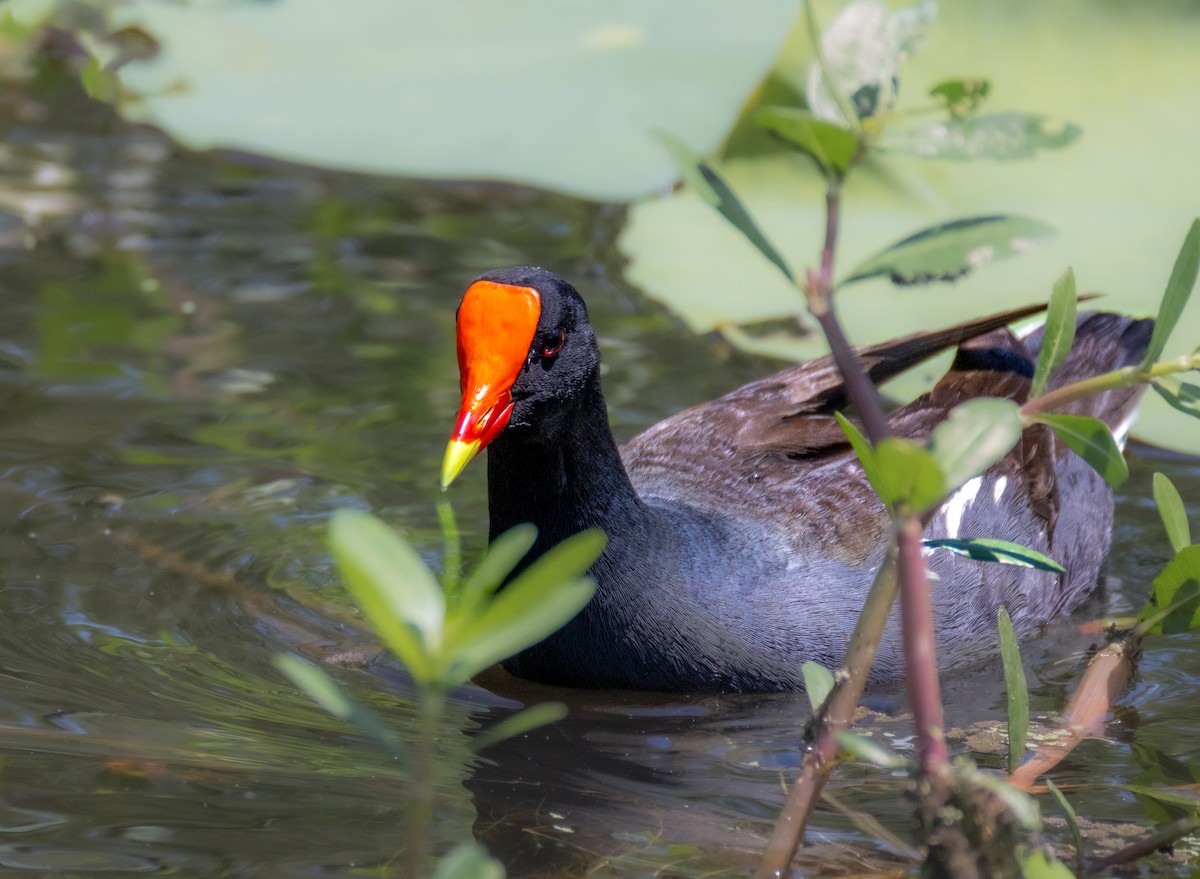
869	751
710	186
1183	396
862	448
519	724
832	147
997	136
1059	335
504	554
323	690
1016	690
1172	511
1092	440
1072	821
818	683
399	595
1188	802
908	474
1177	584
1004	552
975	435
1179	288
949	251
1040	864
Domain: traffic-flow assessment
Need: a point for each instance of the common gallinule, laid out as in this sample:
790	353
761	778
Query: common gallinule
742	533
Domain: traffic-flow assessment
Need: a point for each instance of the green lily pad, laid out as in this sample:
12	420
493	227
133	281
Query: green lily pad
1120	231
562	95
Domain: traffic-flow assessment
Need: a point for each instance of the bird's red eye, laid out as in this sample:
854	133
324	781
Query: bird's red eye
553	343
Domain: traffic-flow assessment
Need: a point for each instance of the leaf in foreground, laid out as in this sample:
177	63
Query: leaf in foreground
519	724
400	597
1171	510
1016	690
1178	583
975	435
710	186
323	690
1004	552
1179	288
1040	864
962	96
468	860
999	136
1071	818
1091	439
818	683
949	251
908	474
1059	335
868	750
1180	394
832	147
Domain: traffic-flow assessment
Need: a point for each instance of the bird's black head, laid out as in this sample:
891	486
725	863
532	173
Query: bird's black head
526	354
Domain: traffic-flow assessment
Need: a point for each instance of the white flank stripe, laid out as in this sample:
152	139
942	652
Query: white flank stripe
957	504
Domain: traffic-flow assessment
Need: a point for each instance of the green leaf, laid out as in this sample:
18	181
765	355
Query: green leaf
1071	818
862	50
908	474
1004	552
1177	584
1016	690
452	557
1183	396
1059	335
399	596
1190	804
818	683
1172	511
862	448
538	603
710	186
519	724
832	147
999	136
961	97
1091	439
1179	288
498	562
1040	864
468	860
975	435
323	690
869	751
951	250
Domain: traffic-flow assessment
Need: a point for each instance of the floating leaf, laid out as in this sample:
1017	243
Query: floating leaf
1016	690
1091	439
1183	396
975	435
1171	509
832	147
862	50
1072	821
401	598
907	474
1005	552
710	186
519	724
1000	136
1177	584
961	97
818	683
950	250
1179	288
1059	335
552	94
323	690
869	751
468	860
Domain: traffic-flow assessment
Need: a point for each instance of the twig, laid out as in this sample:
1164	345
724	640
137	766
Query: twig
1148	846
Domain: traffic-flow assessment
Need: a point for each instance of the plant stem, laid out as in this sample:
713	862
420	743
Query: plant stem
1118	378
1148	846
431	706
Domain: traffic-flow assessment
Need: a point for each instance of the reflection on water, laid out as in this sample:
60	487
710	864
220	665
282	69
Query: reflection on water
200	358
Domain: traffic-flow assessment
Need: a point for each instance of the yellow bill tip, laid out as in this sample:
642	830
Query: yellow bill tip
458	455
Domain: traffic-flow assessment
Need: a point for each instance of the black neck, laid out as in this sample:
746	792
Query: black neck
564	482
